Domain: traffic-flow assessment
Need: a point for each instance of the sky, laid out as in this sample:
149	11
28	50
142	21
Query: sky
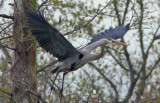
129	37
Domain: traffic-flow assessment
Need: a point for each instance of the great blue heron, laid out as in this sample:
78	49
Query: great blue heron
55	43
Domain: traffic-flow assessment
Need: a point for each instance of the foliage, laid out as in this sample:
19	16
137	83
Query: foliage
124	74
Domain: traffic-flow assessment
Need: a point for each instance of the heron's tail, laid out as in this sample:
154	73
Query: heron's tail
55	70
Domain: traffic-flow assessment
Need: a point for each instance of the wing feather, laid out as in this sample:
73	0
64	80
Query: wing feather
111	33
116	33
49	37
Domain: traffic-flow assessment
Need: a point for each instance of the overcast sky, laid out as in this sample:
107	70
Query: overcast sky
129	38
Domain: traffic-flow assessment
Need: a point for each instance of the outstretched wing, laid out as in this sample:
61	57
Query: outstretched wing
111	33
49	37
108	34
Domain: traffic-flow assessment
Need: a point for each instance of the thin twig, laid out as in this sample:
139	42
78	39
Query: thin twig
42	4
147	100
132	73
117	12
48	65
156	63
6	16
12	4
53	83
120	64
154	38
131	88
110	82
144	56
5	28
5	92
6	37
140	29
37	95
79	27
6	46
5	97
126	10
6	53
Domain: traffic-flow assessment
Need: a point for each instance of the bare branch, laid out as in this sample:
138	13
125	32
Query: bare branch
37	95
126	10
79	27
6	28
132	73
6	37
154	38
120	64
140	28
156	63
147	52
124	47
106	79
42	4
48	65
57	92
3	30
131	88
13	66
149	100
127	55
6	53
144	56
117	12
115	50
11	4
6	46
6	16
89	77
5	92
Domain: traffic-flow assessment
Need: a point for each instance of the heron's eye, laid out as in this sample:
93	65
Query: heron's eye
81	56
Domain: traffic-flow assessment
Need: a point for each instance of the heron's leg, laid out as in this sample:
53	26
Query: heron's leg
63	82
54	82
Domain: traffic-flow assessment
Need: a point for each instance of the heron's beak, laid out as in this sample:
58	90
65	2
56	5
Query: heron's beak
119	43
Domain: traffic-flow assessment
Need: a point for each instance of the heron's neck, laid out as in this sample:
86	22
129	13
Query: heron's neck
98	56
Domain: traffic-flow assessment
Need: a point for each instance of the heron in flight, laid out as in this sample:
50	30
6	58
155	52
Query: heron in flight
70	58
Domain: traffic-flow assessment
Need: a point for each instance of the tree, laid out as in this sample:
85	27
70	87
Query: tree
125	74
23	69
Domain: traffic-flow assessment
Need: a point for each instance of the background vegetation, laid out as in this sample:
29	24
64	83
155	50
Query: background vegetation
124	74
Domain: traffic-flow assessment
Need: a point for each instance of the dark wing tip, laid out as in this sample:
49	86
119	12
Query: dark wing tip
48	37
127	26
33	11
35	17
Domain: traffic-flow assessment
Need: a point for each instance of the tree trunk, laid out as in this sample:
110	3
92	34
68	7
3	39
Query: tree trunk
23	72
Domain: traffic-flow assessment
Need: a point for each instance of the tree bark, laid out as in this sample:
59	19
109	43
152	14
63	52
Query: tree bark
23	71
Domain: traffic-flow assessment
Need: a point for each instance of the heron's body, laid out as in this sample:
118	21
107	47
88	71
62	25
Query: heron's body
55	43
87	57
73	63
